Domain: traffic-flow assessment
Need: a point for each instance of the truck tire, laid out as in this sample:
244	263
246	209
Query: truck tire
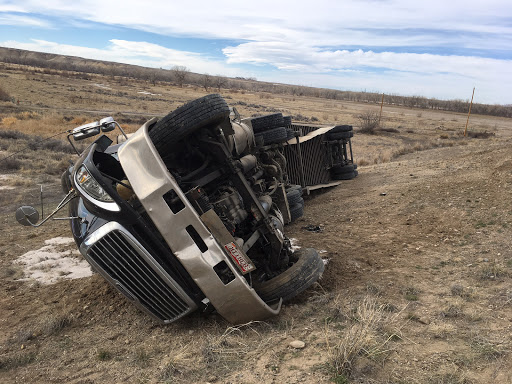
294	186
341	128
205	111
296	211
339	135
300	276
338	168
287	121
274	136
294	196
264	123
344	176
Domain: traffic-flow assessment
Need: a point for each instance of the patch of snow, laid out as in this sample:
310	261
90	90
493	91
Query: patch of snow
58	259
293	242
102	86
59	241
5	177
149	93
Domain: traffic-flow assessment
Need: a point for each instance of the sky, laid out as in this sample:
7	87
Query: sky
434	48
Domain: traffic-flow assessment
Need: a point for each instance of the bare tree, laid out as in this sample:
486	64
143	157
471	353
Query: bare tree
180	73
220	81
206	80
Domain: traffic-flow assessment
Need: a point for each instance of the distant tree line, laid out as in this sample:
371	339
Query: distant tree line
181	75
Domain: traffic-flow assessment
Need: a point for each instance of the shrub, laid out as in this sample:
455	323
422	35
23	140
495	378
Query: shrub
10	164
8	121
4	96
368	121
480	135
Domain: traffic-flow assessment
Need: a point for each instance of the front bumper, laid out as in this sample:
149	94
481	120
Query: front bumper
236	301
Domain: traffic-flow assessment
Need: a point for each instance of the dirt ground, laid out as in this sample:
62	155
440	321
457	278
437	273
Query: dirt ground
417	288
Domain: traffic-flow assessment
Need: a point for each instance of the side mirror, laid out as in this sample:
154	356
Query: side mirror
85	134
107	124
87	130
27	216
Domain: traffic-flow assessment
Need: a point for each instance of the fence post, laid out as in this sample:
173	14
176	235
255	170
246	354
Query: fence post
381	103
469	113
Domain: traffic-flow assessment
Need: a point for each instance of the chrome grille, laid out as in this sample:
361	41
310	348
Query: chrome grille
137	276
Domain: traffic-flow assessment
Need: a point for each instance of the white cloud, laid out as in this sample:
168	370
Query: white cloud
132	52
326	21
16	20
316	60
313	40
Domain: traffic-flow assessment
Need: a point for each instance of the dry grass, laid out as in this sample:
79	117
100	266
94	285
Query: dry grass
368	336
53	324
9	121
224	351
4	96
17	360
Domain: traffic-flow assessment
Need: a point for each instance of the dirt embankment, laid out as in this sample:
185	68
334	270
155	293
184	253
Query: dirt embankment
427	238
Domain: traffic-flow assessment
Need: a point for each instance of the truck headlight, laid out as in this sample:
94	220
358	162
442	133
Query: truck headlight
85	180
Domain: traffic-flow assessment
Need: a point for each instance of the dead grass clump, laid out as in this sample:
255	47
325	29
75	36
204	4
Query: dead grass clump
16	361
389	130
13	271
226	351
12	135
454	309
489	349
28	115
176	368
366	337
9	121
449	378
363	162
56	146
4	96
368	122
79	120
459	290
411	293
10	164
480	135
53	324
441	331
493	271
104	355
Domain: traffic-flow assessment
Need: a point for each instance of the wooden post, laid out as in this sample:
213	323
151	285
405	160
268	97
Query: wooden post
381	103
469	113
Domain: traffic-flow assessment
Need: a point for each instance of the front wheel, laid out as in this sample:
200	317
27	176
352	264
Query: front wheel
300	276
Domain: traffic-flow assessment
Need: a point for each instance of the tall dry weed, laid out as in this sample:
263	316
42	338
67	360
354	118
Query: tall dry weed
370	335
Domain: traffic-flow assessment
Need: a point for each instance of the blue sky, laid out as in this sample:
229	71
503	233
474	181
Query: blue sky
436	49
